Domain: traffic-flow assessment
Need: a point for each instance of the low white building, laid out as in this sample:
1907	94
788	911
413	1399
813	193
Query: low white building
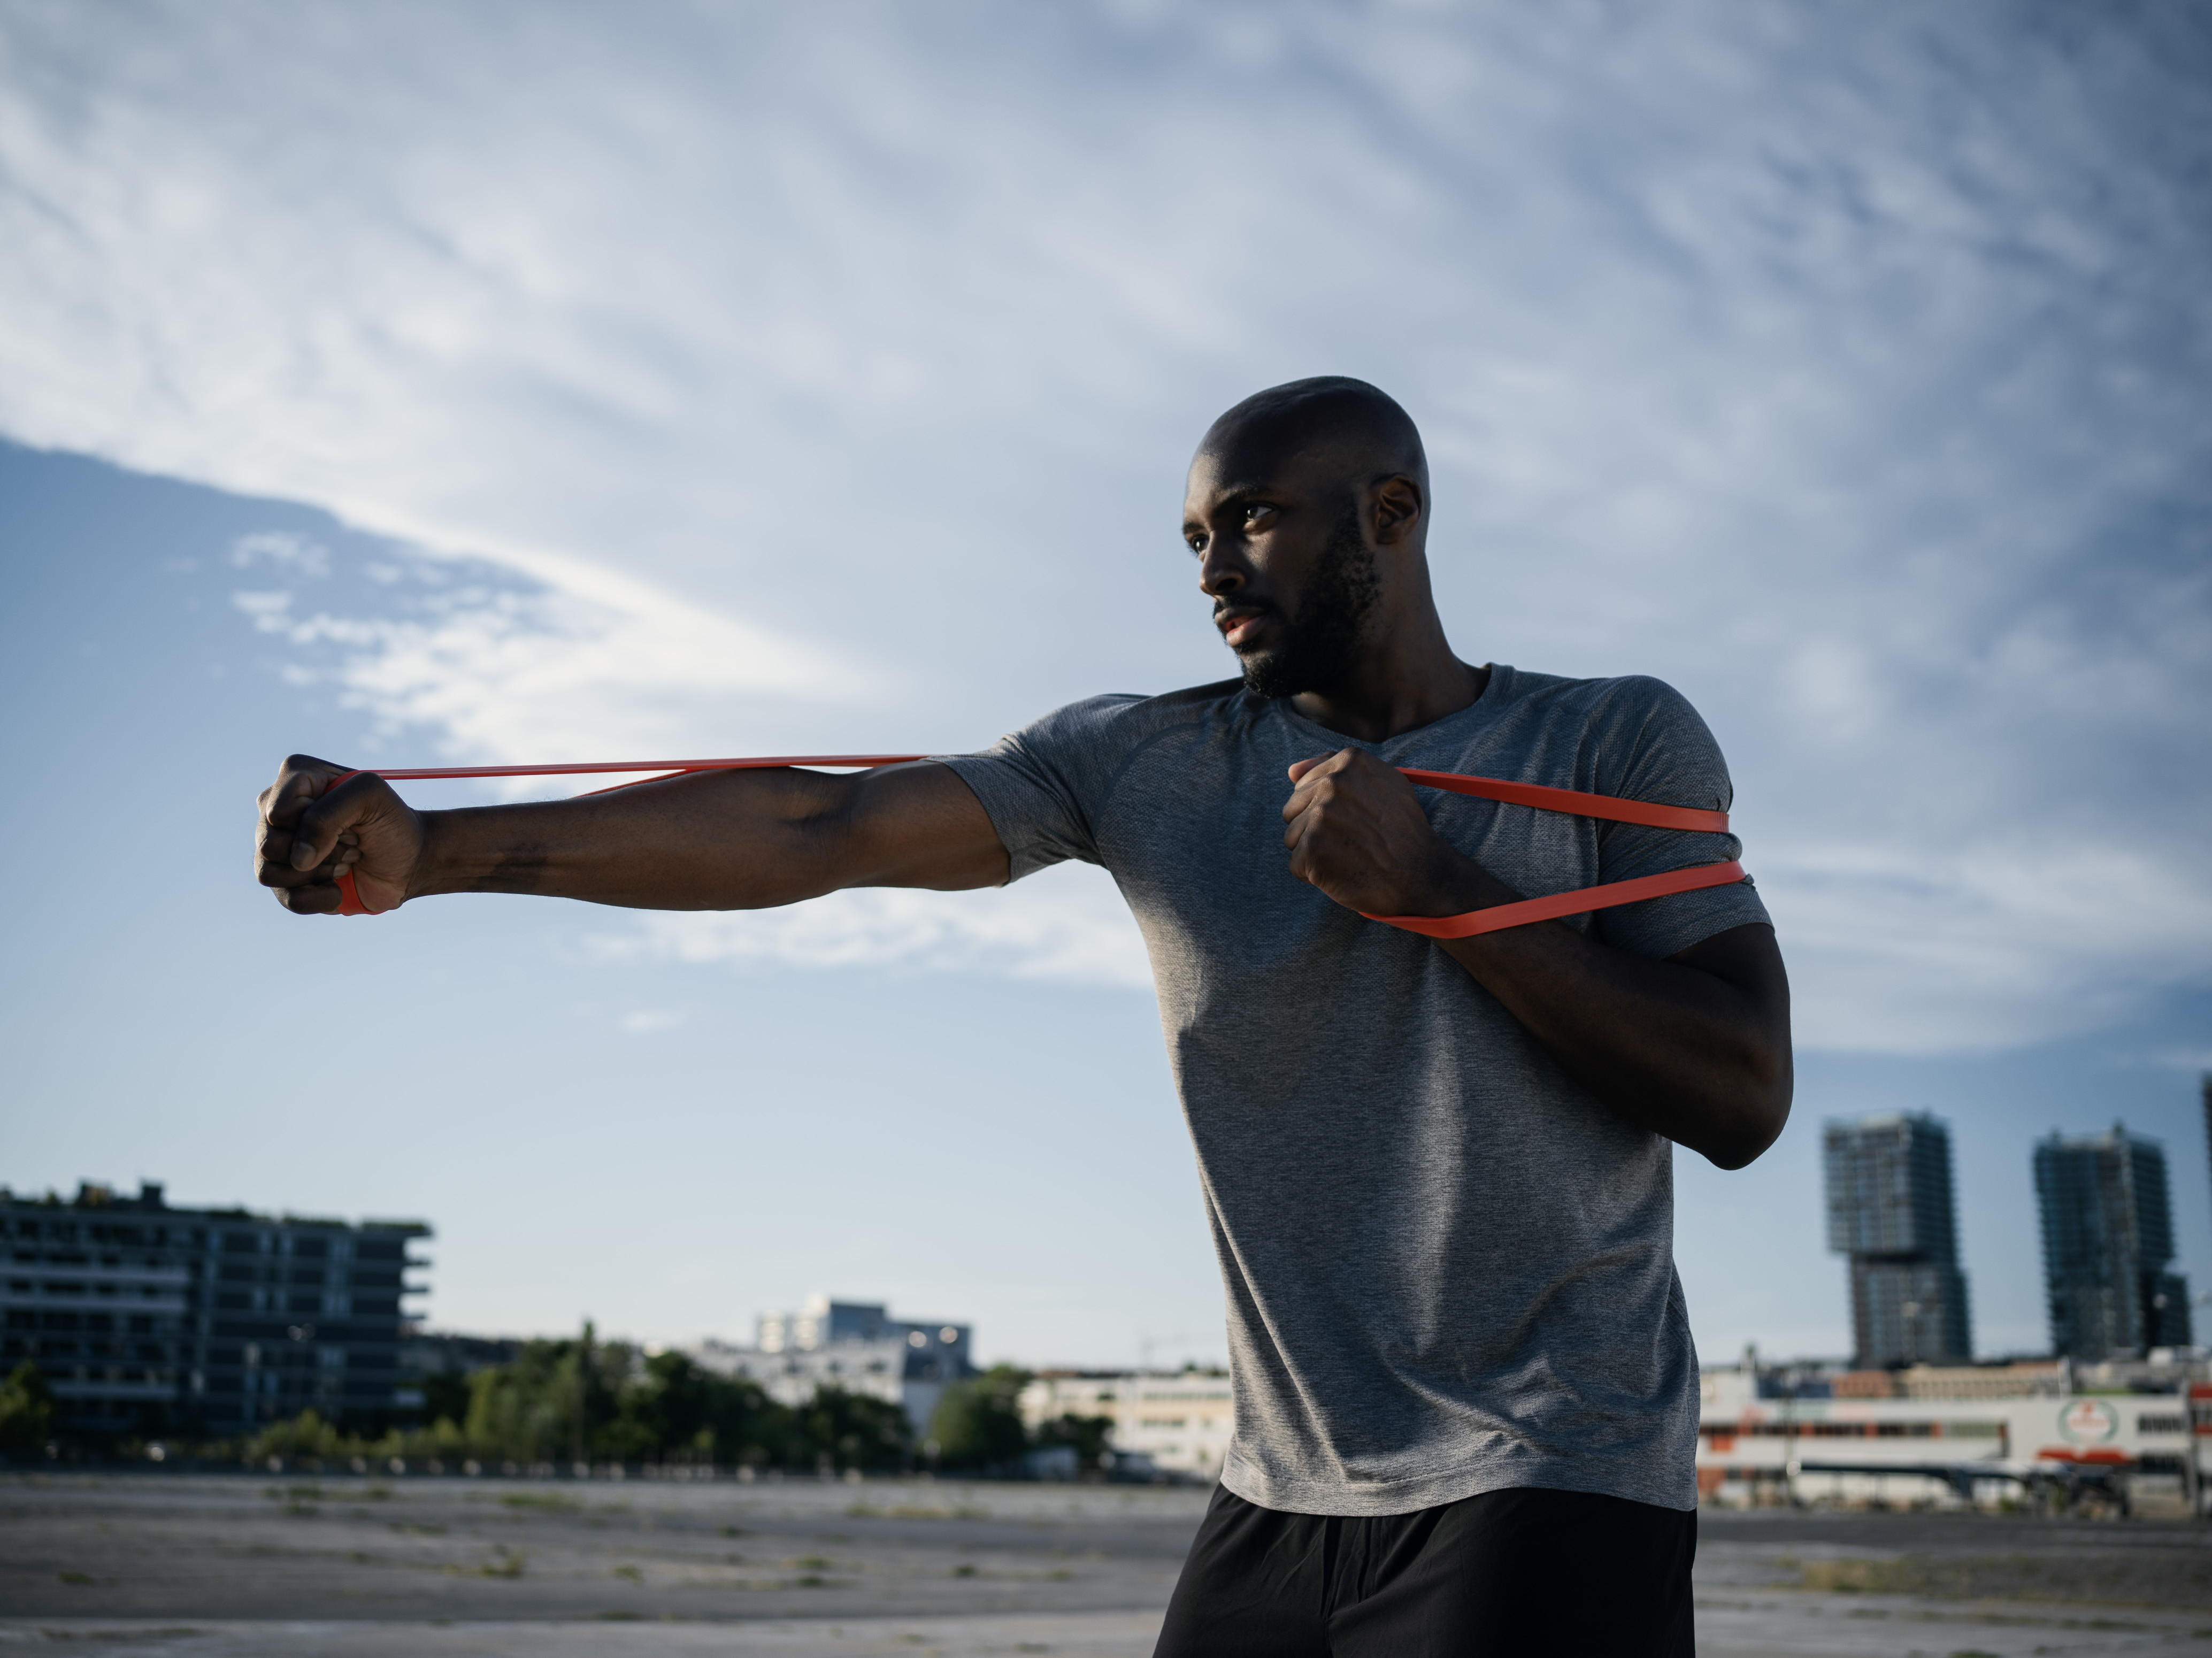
1936	1441
1180	1422
854	1345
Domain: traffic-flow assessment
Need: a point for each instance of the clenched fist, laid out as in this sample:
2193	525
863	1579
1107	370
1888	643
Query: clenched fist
307	836
1356	830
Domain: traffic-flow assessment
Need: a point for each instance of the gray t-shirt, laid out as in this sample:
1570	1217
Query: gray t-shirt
1448	1269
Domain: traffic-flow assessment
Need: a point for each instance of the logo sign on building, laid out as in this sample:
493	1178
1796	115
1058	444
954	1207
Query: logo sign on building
2088	1422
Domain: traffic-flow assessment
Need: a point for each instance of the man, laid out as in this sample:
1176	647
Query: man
1438	1173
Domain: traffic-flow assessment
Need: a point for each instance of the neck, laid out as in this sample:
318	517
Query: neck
1407	679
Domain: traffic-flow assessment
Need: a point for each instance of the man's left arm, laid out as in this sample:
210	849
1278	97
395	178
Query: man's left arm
1695	1047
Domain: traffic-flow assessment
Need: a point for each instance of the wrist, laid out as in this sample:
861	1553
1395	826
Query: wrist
430	876
1453	885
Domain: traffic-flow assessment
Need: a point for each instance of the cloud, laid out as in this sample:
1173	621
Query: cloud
485	662
1069	925
824	380
291	554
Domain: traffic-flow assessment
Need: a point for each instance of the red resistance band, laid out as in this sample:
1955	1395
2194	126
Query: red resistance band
1494	919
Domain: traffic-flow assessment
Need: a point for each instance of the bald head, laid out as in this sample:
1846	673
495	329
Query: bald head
1356	431
1307	505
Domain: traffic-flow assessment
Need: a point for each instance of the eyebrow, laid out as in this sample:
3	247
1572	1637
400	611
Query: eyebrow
1238	495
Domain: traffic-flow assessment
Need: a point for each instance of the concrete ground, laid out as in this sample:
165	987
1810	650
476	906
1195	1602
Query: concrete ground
233	1567
1815	1585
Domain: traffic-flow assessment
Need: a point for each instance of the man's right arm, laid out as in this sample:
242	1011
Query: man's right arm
731	840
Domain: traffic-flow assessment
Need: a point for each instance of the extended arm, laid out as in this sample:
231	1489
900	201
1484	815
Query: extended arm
738	840
1695	1048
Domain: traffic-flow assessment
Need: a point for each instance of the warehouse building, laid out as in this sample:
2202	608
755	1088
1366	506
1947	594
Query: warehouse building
1949	1436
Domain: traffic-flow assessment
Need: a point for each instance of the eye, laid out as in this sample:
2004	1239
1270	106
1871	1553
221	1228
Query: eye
1197	542
1256	511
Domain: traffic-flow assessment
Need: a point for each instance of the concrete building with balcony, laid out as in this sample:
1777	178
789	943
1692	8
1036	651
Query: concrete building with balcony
148	1320
1891	1212
854	1345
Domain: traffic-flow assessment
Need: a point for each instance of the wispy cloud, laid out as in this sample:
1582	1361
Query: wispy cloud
487	662
1069	926
289	555
828	376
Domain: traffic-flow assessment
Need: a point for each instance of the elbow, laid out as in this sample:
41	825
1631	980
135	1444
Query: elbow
1740	1149
1752	1121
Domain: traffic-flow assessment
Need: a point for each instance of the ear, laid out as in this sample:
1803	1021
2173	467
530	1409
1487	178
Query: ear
1397	505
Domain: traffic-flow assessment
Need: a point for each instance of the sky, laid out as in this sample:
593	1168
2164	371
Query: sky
520	383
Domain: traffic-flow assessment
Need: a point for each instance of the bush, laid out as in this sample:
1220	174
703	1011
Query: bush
978	1424
853	1431
27	1410
1087	1435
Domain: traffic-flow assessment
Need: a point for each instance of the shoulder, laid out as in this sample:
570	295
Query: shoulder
1119	720
1626	705
1633	734
1046	784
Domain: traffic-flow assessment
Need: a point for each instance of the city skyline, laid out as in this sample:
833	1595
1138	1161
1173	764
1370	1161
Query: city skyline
1889	1209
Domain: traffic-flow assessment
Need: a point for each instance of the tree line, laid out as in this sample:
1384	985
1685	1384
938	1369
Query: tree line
583	1400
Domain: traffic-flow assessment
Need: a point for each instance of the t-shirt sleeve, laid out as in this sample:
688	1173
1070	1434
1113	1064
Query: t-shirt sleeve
1652	745
1044	784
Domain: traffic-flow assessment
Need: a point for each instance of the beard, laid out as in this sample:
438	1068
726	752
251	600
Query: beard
1320	641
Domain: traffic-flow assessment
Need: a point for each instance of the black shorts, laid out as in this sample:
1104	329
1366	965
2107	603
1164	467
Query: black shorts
1519	1572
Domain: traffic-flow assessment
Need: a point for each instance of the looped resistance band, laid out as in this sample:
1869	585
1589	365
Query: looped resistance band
1496	918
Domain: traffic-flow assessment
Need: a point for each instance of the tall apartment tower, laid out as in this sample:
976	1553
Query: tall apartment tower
1890	1210
2108	1247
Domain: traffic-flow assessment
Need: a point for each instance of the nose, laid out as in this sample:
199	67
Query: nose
1221	572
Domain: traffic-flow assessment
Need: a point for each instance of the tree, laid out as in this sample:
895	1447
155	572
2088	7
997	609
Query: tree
1089	1435
853	1431
978	1424
673	1408
556	1397
27	1410
446	1395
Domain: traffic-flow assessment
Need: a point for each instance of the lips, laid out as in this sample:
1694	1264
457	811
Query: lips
1240	625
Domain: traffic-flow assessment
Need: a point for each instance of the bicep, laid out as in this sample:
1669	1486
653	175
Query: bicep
919	825
1748	959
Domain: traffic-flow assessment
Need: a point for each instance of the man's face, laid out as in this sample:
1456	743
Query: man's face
1283	554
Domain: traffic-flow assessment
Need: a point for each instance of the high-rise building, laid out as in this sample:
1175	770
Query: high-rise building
1890	1210
148	1320
2108	1247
